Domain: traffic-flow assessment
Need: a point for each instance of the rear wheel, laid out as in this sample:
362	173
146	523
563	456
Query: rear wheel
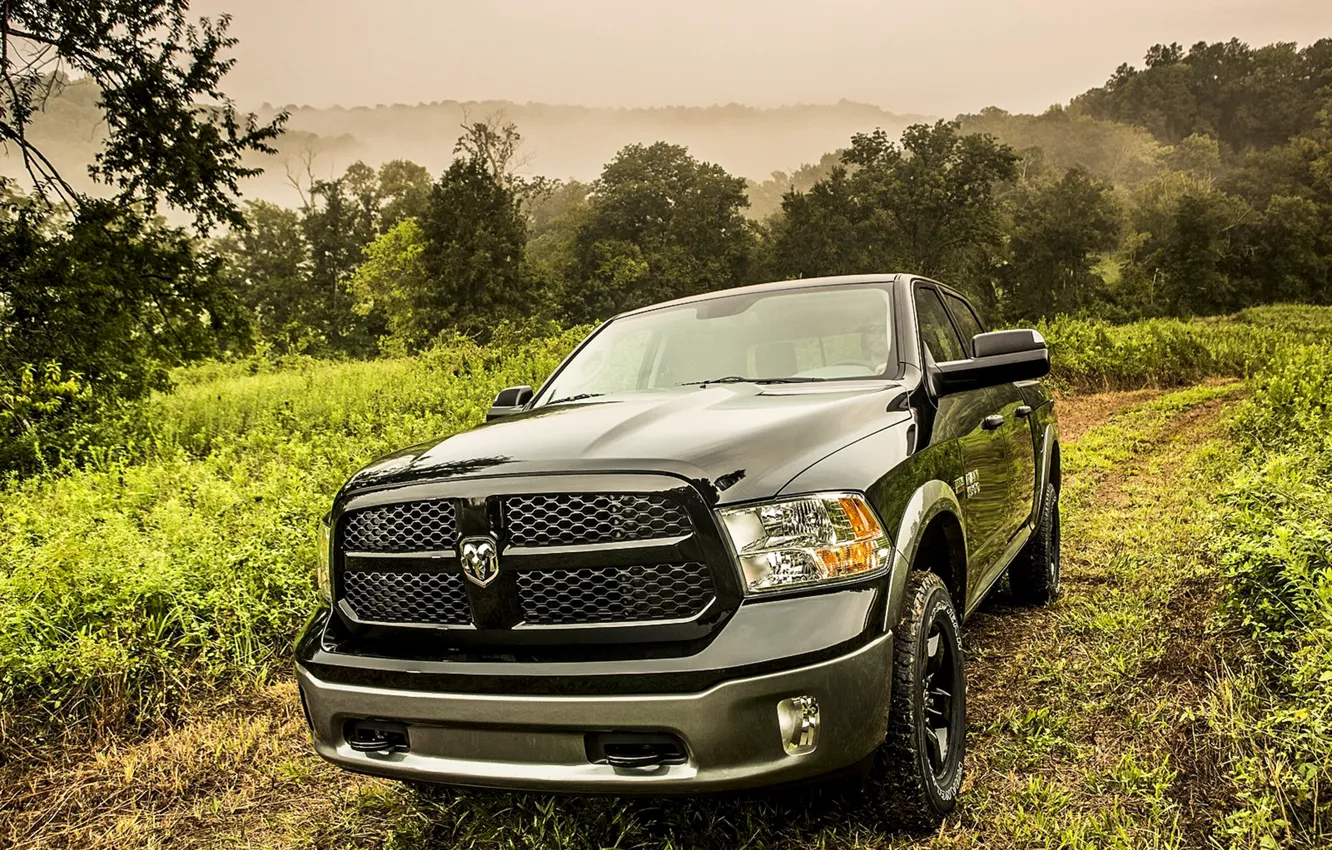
1034	574
918	768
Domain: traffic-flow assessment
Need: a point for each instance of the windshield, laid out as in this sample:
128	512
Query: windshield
816	334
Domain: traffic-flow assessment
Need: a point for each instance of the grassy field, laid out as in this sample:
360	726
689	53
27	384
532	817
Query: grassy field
1178	696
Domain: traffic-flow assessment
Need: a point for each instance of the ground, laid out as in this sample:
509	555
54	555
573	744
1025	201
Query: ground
1089	719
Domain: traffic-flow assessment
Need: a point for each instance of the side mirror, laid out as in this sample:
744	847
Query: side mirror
509	400
1001	358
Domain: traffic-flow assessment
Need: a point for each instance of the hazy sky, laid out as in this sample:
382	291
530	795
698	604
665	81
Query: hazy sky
936	57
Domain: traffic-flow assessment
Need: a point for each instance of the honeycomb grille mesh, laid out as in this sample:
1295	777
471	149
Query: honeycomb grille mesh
404	527
395	597
615	594
568	519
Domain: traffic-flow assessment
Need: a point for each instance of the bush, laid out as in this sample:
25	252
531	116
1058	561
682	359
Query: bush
1090	355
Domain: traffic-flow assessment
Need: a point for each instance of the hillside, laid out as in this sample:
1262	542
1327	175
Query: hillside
560	140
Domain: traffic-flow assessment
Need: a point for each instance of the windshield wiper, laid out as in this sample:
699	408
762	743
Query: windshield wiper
578	397
737	379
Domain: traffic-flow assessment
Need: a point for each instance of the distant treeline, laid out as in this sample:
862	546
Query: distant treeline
1199	184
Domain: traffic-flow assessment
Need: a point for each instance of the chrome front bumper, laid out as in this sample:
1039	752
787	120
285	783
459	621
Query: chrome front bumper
730	731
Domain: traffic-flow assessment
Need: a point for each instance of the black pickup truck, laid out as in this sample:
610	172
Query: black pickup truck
728	543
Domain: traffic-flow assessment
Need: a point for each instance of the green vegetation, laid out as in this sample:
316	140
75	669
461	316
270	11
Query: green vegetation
1094	355
183	558
1275	545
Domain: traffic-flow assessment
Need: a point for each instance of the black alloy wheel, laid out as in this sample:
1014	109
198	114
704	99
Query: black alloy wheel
943	722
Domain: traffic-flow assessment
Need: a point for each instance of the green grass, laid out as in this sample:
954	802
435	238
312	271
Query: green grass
1093	356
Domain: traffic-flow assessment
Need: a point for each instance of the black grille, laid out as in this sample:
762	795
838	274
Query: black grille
567	519
386	597
405	527
615	594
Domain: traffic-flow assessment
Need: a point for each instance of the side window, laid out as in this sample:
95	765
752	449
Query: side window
966	320
937	332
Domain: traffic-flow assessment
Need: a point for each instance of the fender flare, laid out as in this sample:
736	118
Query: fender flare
932	498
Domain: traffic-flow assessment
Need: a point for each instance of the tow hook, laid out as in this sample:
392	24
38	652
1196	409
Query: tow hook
635	749
377	736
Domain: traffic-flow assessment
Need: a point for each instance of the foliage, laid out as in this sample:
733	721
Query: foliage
404	192
108	300
392	281
659	225
474	236
267	264
171	133
1058	228
765	198
1243	96
926	206
1061	139
189	561
1275	544
1178	261
1090	355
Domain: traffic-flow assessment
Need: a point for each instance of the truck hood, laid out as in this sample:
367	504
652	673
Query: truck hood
735	441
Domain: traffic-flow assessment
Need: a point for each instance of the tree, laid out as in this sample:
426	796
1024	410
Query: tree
1244	97
660	224
494	144
1182	255
172	134
268	265
925	205
98	301
474	239
392	282
101	304
1058	227
340	219
404	191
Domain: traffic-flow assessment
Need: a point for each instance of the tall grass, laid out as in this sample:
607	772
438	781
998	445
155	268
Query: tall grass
1275	545
1090	355
185	557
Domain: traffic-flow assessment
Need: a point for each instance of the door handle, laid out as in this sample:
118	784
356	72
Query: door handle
992	421
1024	411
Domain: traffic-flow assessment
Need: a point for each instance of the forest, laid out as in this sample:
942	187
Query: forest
1197	184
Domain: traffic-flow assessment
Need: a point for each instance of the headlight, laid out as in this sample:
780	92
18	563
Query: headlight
322	568
810	540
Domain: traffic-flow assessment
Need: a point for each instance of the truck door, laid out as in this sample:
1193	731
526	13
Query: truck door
1018	475
963	417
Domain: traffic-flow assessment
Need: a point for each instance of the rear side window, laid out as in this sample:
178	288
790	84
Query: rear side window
966	320
936	331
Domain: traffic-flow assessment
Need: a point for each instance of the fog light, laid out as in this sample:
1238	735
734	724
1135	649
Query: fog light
798	718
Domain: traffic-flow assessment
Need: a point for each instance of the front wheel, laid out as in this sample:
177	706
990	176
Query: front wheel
918	768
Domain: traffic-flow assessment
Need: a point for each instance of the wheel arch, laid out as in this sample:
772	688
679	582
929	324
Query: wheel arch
932	535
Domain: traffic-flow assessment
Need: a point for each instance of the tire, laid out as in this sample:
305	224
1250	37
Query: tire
918	768
1034	574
